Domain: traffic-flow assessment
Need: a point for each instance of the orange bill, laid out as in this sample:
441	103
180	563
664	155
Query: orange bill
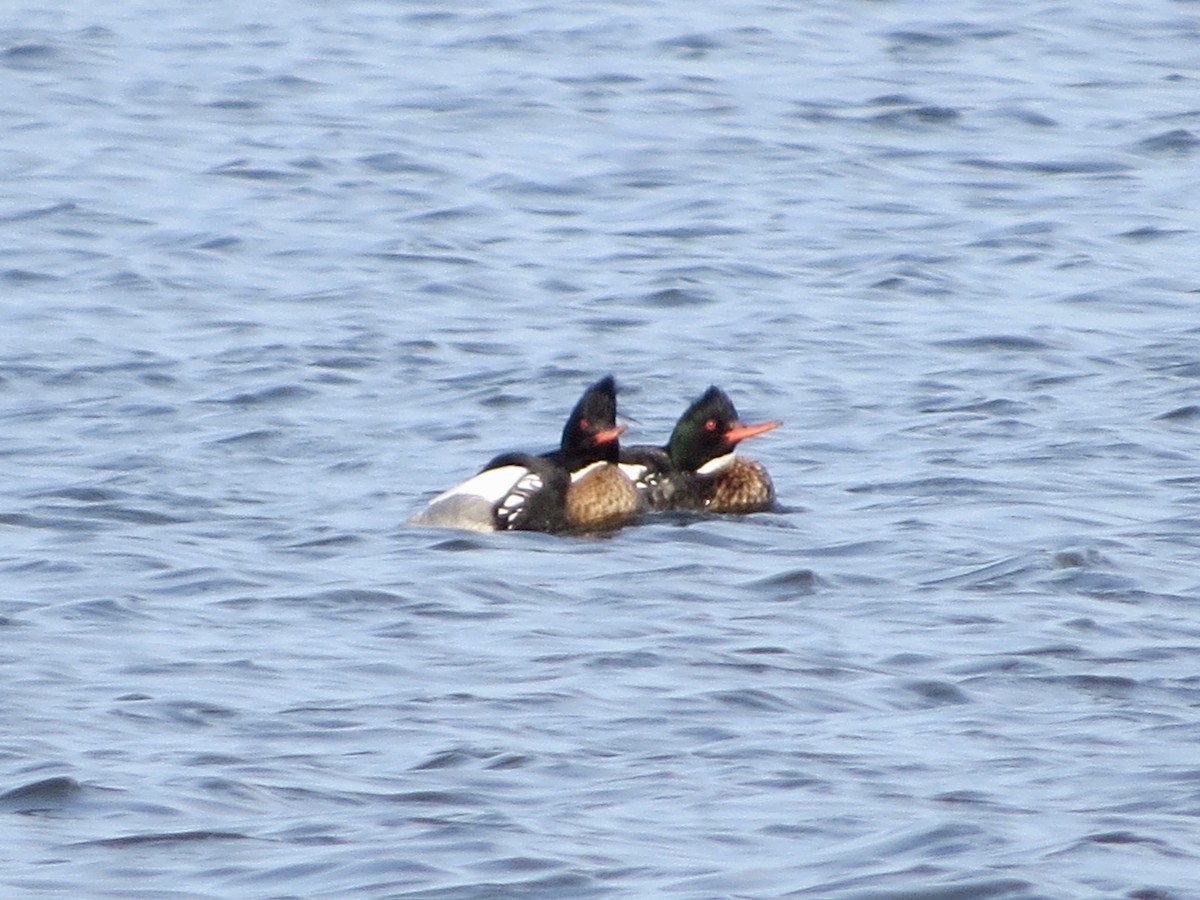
741	432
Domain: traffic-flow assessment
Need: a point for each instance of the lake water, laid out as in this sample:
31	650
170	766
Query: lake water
276	273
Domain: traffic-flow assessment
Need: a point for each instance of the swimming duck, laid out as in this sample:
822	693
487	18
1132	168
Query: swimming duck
699	468
578	487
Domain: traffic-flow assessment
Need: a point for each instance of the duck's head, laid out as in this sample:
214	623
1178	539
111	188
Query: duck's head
708	430
591	432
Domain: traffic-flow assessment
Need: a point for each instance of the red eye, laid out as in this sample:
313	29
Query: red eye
585	424
710	425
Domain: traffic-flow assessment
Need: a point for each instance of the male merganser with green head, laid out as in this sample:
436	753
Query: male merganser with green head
699	468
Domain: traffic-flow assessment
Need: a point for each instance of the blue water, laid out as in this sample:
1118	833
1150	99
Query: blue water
276	273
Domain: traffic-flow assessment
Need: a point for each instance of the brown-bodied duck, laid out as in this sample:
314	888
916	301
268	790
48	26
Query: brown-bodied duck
698	468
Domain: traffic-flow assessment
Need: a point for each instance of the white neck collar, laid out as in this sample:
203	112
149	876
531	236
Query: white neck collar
716	465
579	473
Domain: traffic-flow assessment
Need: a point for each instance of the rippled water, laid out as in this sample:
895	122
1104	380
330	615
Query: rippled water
275	273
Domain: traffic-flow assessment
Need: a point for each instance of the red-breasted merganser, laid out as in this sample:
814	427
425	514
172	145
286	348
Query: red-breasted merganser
578	487
698	469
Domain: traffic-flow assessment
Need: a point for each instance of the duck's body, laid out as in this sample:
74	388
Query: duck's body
514	492
699	469
601	497
578	487
654	476
738	484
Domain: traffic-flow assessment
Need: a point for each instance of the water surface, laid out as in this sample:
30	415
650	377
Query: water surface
275	274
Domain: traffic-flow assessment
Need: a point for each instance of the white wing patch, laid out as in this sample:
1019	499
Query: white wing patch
635	471
492	485
646	479
470	505
511	504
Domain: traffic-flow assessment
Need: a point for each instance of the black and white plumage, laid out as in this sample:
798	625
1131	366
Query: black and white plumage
698	468
652	473
553	491
515	492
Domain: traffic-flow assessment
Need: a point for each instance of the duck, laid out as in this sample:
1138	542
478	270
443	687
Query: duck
578	487
699	468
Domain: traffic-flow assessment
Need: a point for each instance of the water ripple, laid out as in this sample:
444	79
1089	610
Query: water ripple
283	278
